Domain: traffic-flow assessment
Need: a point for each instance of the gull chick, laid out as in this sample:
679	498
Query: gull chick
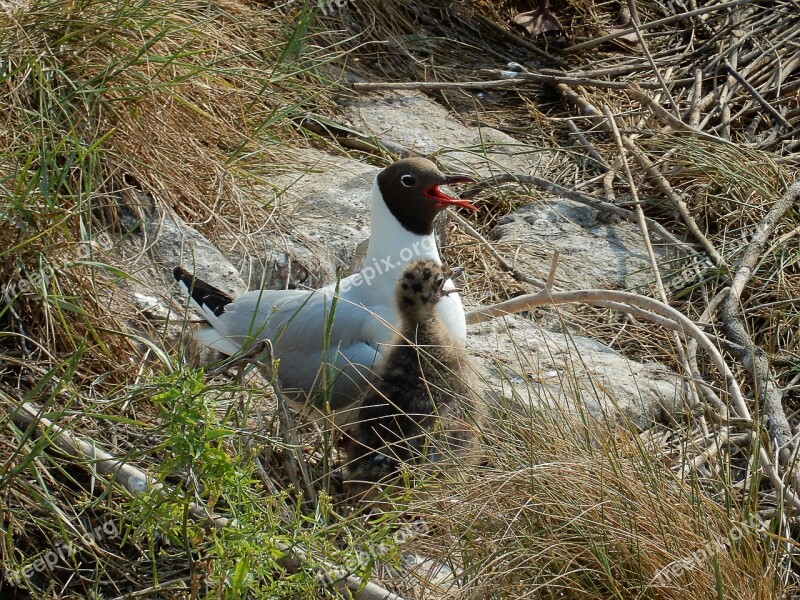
422	402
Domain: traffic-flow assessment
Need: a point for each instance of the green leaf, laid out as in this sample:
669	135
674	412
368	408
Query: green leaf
65	305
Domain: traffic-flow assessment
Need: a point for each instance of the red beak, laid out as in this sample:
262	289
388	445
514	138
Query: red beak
439	196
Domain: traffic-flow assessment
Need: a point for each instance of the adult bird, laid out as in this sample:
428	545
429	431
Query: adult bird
328	339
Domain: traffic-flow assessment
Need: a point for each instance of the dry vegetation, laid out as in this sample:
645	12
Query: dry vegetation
193	106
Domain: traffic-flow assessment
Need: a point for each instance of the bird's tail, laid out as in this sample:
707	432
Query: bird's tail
205	297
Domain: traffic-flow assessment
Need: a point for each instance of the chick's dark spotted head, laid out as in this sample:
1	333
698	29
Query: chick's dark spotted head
410	189
420	288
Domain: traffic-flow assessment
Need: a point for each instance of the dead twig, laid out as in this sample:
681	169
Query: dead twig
753	358
433	85
758	97
592	153
510	78
667	117
502	262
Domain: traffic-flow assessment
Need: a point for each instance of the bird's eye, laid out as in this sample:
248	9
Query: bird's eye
408	180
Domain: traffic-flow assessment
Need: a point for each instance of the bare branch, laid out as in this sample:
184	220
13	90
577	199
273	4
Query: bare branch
753	358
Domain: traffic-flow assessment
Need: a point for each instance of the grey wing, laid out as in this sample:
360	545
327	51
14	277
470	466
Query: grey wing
341	356
304	337
262	314
338	376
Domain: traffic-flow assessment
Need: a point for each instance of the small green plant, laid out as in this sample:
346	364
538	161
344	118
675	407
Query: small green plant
202	466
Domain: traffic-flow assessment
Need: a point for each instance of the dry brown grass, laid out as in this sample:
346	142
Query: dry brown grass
104	104
568	510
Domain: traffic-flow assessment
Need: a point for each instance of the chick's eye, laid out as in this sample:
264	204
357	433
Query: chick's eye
408	180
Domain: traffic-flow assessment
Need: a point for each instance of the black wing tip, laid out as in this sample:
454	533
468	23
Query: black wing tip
182	275
201	292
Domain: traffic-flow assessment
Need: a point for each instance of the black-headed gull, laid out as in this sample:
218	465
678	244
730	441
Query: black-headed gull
336	355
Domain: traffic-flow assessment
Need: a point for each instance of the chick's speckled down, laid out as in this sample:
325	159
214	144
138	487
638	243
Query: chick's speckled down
421	403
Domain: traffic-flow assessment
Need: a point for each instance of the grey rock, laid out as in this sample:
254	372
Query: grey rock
593	253
324	209
415	121
173	243
526	364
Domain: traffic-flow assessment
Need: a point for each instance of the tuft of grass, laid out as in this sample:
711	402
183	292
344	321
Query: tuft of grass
111	112
571	509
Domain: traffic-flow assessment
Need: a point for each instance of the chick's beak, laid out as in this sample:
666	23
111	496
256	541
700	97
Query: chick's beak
449	290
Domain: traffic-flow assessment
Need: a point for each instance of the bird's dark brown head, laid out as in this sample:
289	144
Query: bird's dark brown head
410	189
419	290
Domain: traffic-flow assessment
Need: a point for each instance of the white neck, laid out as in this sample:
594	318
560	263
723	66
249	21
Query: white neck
390	240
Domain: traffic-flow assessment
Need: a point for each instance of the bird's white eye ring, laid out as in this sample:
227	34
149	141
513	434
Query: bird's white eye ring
408	180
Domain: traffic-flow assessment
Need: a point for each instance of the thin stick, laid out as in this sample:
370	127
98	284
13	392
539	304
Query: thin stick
510	78
594	155
694	110
434	85
666	21
674	122
653	67
759	98
754	359
504	264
